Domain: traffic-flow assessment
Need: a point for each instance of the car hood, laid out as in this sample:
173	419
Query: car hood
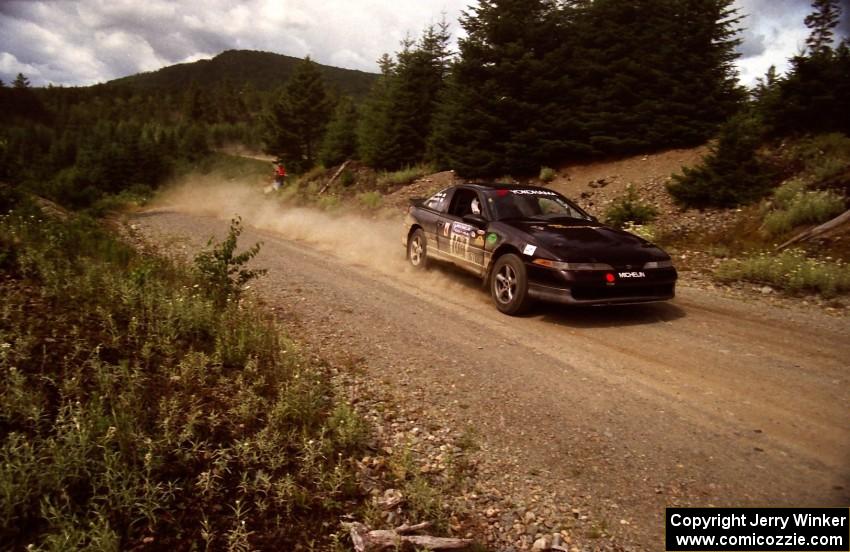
576	240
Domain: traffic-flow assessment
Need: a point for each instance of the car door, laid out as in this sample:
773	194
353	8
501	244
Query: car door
432	213
459	241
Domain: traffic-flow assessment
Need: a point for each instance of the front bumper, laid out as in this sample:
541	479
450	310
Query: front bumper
591	287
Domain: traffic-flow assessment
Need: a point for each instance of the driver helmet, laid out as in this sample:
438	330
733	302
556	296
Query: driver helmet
476	208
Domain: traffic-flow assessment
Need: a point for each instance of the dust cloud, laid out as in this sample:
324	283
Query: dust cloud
363	242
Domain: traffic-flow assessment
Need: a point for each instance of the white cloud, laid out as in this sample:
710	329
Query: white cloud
773	33
87	41
9	65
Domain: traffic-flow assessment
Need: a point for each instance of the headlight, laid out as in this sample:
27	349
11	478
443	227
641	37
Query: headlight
659	264
558	265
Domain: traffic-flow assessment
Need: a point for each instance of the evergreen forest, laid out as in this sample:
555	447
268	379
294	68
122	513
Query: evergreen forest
532	83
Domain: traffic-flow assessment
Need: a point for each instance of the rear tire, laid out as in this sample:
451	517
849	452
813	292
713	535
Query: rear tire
509	285
417	249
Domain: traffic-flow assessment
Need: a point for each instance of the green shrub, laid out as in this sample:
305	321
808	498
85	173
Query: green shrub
346	178
10	197
547	174
790	270
731	174
153	417
370	200
797	206
222	273
784	195
138	194
629	208
824	156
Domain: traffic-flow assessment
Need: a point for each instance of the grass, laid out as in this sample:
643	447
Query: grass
791	271
795	205
370	200
328	202
149	403
823	156
404	176
629	209
138	409
645	231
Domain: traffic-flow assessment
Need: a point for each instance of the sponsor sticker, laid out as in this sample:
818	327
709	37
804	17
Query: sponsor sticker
464	230
631	274
529	249
534	192
492	238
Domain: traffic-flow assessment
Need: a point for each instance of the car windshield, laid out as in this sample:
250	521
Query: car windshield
510	203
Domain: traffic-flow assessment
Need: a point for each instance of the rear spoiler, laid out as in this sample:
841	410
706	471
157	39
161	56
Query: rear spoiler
416	201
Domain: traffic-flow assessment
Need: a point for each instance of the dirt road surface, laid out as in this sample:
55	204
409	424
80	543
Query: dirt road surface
618	411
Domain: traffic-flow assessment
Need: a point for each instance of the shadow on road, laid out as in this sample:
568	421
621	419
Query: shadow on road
608	316
576	316
462	287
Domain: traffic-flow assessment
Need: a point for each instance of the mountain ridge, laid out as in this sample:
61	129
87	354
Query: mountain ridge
263	70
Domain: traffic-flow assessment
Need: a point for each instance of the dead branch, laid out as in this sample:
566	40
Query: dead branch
818	230
377	540
334	177
404	529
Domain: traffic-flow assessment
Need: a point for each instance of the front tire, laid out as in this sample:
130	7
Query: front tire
417	249
509	285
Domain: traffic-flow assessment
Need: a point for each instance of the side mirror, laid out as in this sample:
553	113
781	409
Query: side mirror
475	220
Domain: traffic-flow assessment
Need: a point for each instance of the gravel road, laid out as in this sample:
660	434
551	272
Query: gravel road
618	411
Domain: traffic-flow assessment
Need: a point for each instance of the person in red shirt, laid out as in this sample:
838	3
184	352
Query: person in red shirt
279	175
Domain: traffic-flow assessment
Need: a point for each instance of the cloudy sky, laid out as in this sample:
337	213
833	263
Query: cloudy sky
79	42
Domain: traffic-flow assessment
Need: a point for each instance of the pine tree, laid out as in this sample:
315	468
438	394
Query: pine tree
296	121
823	19
503	109
196	105
637	91
21	82
765	85
22	102
397	116
813	95
374	143
340	141
415	87
732	173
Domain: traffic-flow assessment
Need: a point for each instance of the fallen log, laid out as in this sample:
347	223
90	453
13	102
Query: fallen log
376	540
817	230
334	177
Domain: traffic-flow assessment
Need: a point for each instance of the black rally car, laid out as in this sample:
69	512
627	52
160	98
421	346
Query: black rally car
528	242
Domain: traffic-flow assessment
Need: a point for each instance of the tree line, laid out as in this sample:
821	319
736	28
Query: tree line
533	83
810	99
77	145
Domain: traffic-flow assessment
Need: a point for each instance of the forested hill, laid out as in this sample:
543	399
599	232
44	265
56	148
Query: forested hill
262	70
